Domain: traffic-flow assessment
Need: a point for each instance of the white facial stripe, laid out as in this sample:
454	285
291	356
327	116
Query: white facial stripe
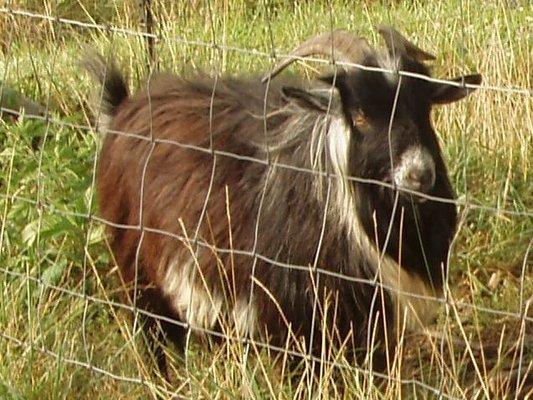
415	312
339	142
415	162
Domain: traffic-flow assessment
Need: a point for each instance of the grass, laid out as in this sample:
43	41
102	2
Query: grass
55	264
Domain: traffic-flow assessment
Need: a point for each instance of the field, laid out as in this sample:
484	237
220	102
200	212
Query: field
63	333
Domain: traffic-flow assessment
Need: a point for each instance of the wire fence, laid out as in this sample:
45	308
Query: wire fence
13	194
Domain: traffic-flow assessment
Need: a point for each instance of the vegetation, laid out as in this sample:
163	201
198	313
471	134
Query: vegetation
57	277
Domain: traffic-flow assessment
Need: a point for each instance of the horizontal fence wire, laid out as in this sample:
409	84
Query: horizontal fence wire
276	263
49	118
257	53
264	161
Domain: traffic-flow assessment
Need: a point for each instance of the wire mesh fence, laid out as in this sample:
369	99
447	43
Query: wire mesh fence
61	263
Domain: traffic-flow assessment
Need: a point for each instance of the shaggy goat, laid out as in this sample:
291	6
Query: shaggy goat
219	237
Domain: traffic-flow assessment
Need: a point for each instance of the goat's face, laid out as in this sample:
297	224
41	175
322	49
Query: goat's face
388	117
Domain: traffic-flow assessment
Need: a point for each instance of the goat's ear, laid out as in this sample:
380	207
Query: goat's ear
304	99
444	93
338	81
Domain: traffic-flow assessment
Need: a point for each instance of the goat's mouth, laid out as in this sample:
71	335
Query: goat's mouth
409	194
414	189
405	192
415	197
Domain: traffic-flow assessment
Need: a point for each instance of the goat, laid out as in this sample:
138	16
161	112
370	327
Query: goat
333	236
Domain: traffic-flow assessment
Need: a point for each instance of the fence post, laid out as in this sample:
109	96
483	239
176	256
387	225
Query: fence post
148	20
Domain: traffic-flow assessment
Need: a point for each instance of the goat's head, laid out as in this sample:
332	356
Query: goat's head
386	113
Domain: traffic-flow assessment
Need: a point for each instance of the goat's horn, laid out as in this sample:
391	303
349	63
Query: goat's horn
399	44
344	46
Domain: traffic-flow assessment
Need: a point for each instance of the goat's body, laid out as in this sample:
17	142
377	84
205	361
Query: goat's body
211	223
232	206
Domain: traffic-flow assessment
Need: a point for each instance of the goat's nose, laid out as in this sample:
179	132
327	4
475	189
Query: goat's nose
416	170
421	177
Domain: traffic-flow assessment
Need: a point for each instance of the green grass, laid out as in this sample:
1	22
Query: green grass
47	242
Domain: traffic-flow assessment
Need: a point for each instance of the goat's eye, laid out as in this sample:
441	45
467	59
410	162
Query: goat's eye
359	118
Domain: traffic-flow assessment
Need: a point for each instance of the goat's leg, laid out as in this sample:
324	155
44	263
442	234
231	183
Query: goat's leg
161	328
154	340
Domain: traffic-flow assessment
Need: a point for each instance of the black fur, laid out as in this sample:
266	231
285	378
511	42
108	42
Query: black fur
114	87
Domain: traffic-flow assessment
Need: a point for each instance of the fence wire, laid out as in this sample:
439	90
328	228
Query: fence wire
44	208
